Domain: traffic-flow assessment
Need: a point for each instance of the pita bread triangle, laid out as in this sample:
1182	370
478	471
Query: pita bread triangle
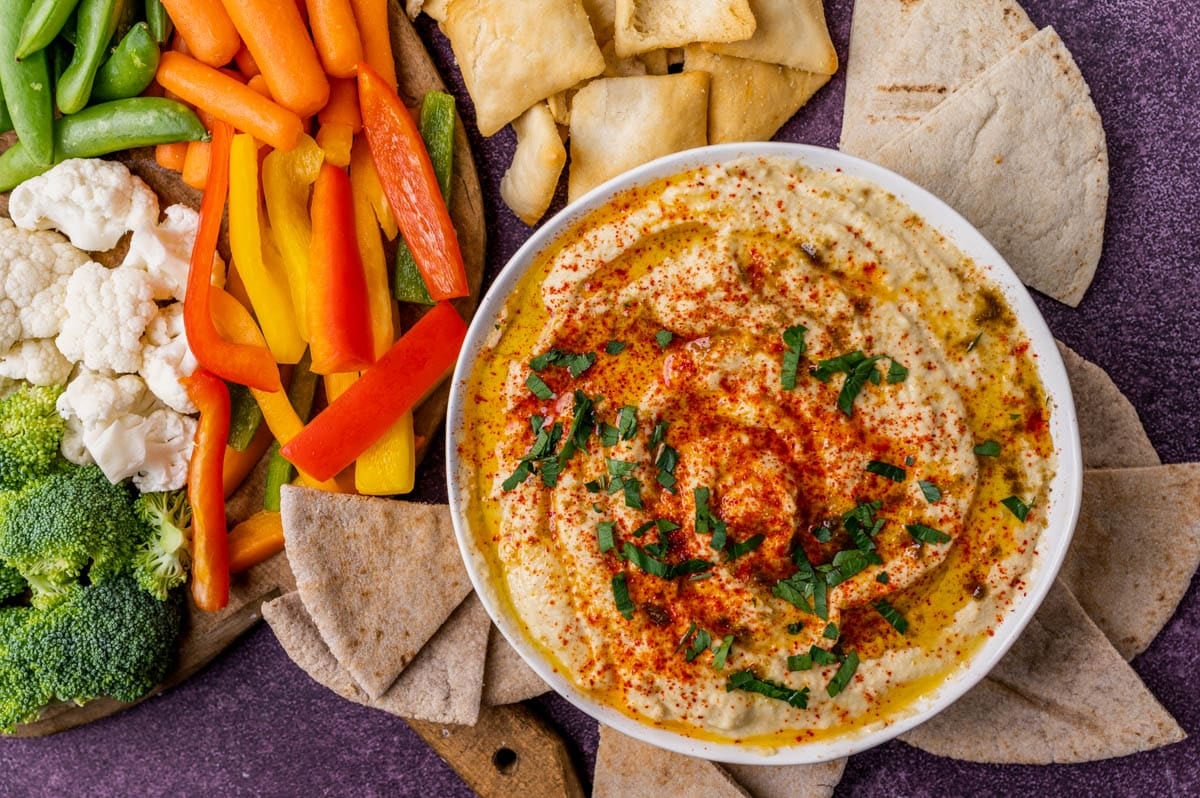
378	577
789	781
1020	152
1061	694
1110	432
506	677
629	768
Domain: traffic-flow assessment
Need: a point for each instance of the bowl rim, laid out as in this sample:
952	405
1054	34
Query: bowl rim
1065	488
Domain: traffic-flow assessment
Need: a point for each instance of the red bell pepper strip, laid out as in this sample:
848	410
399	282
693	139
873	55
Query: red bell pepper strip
247	365
210	539
339	320
398	381
411	186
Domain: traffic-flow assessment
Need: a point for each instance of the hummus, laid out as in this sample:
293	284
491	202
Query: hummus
757	454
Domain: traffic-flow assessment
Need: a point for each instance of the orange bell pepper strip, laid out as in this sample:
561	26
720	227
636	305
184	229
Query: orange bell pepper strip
210	543
287	179
406	373
411	186
246	365
338	325
238	465
255	540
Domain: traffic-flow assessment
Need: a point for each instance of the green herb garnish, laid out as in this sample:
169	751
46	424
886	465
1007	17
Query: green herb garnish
627	422
748	682
700	643
664	338
893	472
620	590
831	631
706	522
793	339
722	652
897	372
614	347
891	615
745	547
931	492
843	676
988	449
667	460
925	534
1017	507
576	363
604	535
538	387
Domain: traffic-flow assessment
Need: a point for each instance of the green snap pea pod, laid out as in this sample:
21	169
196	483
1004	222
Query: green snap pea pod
105	128
159	21
26	86
5	119
131	67
42	24
96	22
245	416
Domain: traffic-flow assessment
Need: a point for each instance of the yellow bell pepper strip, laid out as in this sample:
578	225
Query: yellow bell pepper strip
411	187
247	365
287	179
270	297
210	540
405	375
238	465
338	384
389	466
374	189
338	326
255	540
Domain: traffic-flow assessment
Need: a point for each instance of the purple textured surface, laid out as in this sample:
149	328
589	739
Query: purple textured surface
253	724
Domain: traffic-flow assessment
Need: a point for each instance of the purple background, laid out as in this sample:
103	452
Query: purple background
254	724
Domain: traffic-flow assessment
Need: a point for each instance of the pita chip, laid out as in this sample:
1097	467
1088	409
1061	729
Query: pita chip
602	14
642	25
1062	693
792	33
528	185
789	781
513	55
506	677
749	100
378	576
1138	528
1110	432
628	768
617	124
1021	153
875	29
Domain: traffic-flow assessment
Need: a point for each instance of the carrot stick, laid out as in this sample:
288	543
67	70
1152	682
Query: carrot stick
246	63
335	33
171	156
255	540
206	28
196	163
277	38
227	99
372	18
259	84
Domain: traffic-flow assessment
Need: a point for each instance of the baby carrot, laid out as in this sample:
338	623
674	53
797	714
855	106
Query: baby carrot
335	33
259	84
171	156
246	63
277	38
373	28
230	100
206	28
342	107
196	163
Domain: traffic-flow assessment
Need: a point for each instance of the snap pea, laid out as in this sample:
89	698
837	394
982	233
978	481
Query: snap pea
245	416
105	128
96	22
43	22
131	67
26	86
159	21
5	119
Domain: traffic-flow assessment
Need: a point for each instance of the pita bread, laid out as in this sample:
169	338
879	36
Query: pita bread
616	124
1021	153
513	55
789	781
628	768
378	576
1139	529
1061	694
875	28
642	25
1110	432
506	677
442	685
528	185
792	33
602	14
749	100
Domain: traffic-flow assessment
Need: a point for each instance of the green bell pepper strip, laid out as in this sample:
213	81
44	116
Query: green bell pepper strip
103	129
26	86
131	67
159	21
437	131
96	22
301	392
43	22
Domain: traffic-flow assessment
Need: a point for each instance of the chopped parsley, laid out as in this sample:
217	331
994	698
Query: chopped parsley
745	547
706	522
793	339
831	631
822	656
859	370
700	643
658	434
667	460
620	590
643	529
644	559
665	525
664	338
882	577
614	347
897	372
926	534
542	451
748	682
1017	507
931	492
891	615
843	676
627	422
609	435
862	525
988	449
538	387
683	641
893	472
823	533
604	535
799	662
622	480
575	363
722	652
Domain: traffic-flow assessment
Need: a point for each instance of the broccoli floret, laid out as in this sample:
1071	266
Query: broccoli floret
22	692
31	431
11	582
52	529
161	563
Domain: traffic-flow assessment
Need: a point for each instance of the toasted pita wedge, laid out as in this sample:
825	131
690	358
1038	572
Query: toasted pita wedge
602	14
1110	432
1061	694
789	781
513	55
1021	153
506	677
875	29
749	100
627	768
617	124
528	185
789	32
642	25
1138	528
378	576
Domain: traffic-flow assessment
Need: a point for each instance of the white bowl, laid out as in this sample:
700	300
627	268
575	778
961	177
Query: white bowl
1065	489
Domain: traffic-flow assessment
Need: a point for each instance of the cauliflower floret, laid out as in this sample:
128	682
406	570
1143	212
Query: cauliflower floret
165	250
34	270
94	202
166	358
36	360
107	313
